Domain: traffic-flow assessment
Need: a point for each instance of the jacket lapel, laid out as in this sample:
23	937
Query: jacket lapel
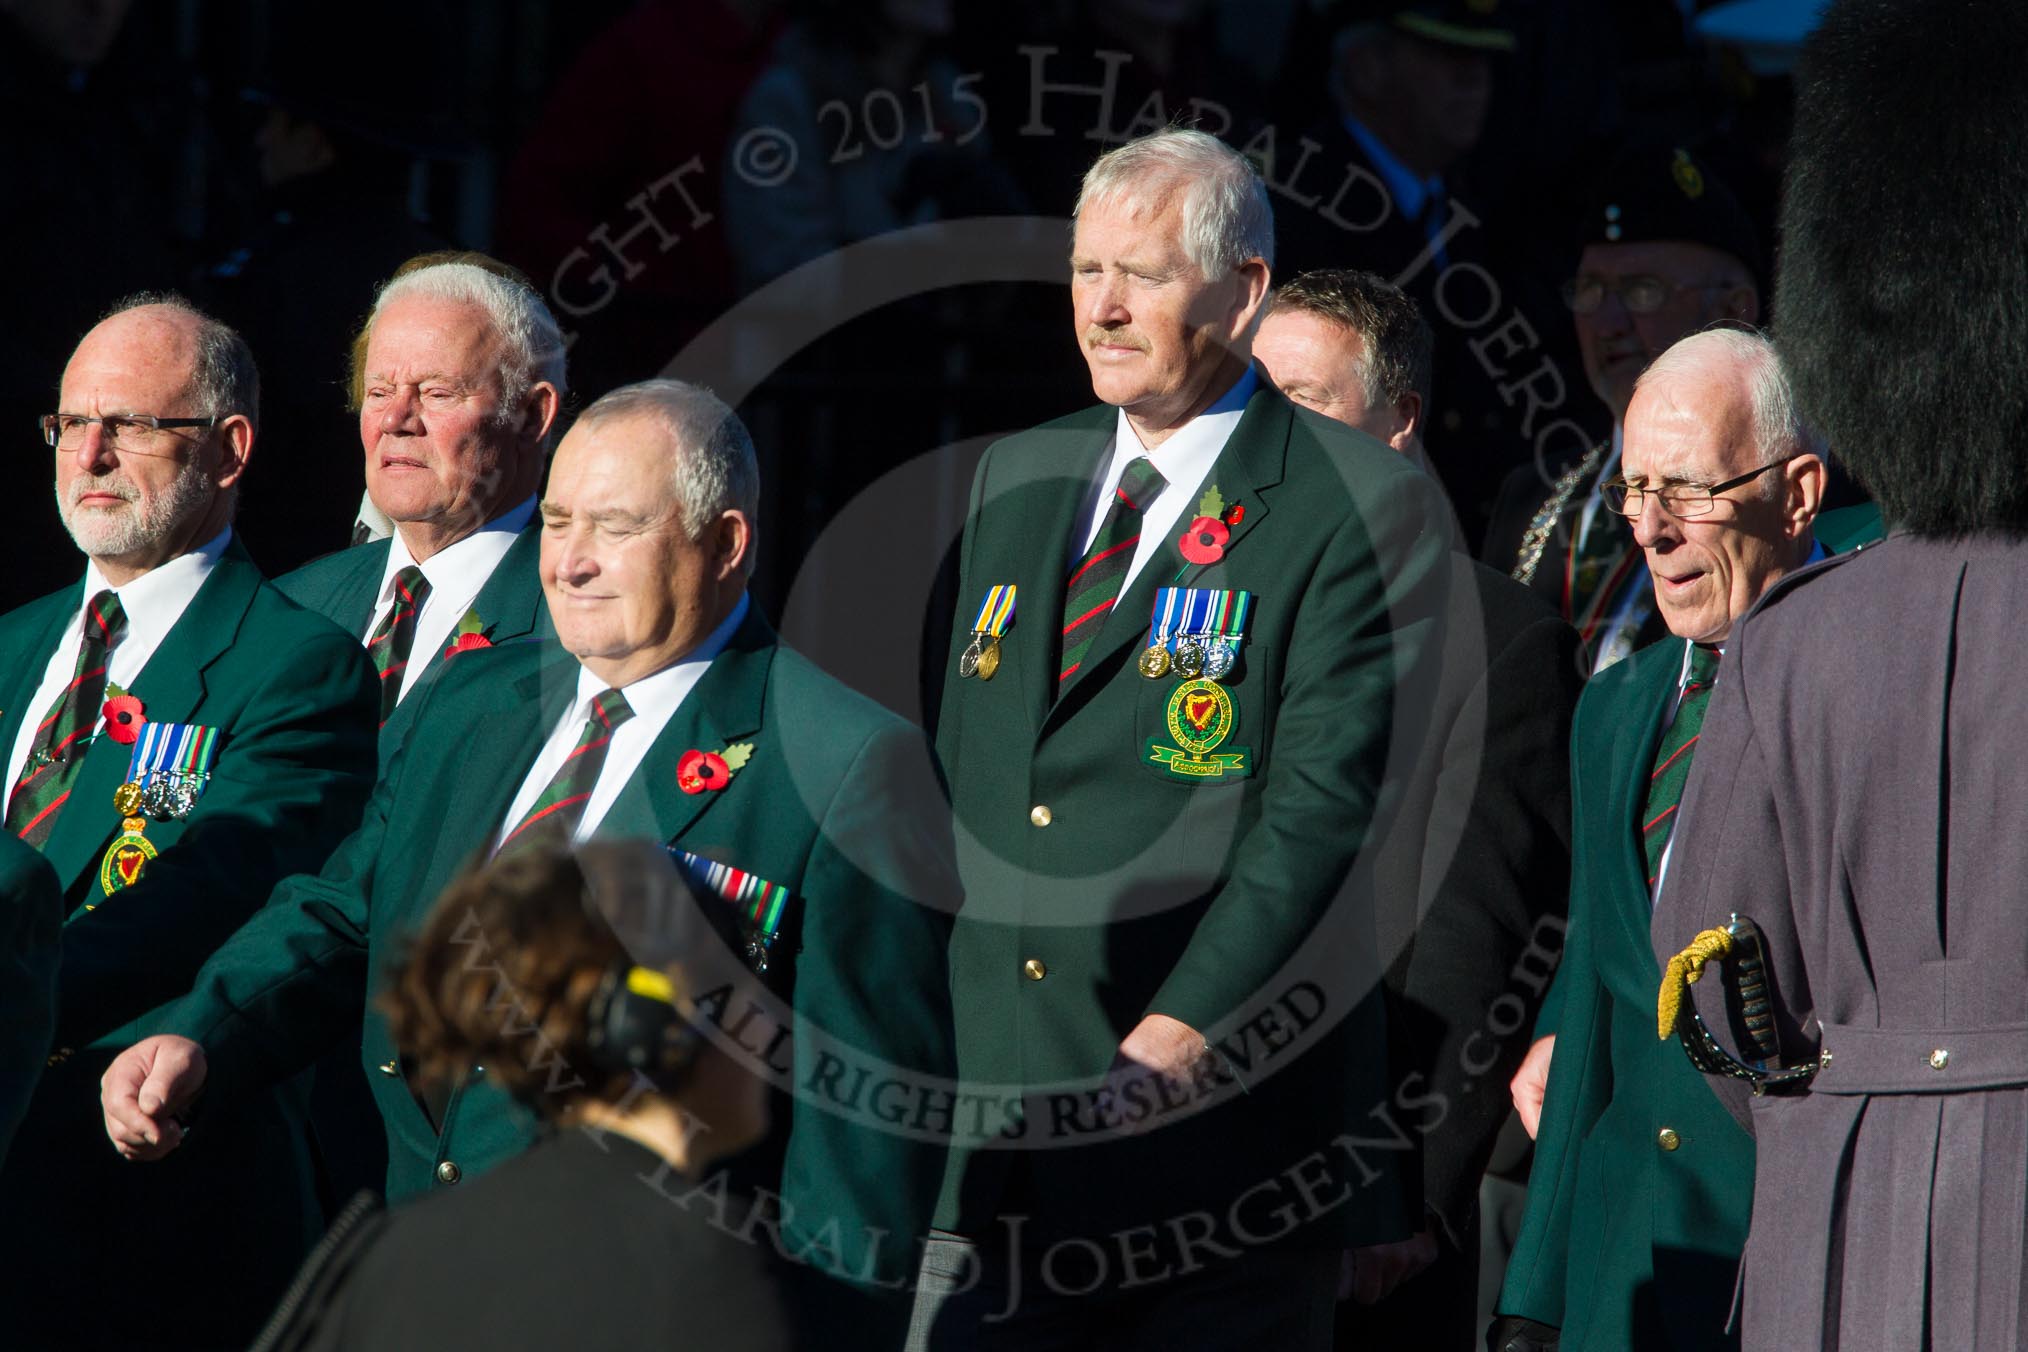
724	707
29	659
171	690
1645	719
352	600
1251	461
510	604
1034	509
519	718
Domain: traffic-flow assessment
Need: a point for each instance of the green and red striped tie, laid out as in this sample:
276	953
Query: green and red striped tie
63	737
392	640
1093	588
1672	759
560	807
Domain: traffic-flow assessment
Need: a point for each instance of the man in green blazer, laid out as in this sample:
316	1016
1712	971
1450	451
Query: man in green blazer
178	737
670	712
1165	971
461	384
1641	1184
31	937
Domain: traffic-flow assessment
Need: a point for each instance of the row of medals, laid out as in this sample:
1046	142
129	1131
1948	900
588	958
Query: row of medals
162	797
1195	656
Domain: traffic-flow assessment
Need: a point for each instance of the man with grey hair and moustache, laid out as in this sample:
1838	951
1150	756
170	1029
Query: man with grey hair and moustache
671	712
178	737
1173	691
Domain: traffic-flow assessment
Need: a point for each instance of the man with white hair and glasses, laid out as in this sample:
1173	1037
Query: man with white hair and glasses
1638	1197
1166	727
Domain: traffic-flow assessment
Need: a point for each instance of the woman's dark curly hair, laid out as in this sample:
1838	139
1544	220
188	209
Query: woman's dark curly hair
504	971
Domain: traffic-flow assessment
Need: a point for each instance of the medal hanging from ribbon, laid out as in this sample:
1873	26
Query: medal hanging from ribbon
1196	632
167	774
982	658
762	905
171	766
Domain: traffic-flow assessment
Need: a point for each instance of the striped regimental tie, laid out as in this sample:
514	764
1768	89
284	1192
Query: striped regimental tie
394	637
555	813
1672	760
1095	585
63	737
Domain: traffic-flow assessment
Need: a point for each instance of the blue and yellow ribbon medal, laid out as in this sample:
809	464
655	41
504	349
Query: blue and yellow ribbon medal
982	658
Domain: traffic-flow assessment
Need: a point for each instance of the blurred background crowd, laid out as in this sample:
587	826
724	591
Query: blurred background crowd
653	165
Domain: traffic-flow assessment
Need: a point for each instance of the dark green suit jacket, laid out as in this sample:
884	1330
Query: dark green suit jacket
1232	904
342	587
838	804
294	702
1627	1242
31	937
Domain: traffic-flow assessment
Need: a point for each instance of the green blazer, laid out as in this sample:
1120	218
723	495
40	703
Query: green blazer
342	587
1628	1240
31	929
835	804
1100	888
294	701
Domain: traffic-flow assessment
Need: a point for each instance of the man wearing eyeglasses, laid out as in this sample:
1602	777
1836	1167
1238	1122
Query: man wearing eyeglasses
1667	251
177	737
1638	1198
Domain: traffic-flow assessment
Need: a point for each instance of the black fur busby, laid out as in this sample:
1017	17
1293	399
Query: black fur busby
1901	302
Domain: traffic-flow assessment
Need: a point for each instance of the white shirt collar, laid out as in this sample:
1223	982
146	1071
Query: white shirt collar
155	600
654	697
1186	457
459	569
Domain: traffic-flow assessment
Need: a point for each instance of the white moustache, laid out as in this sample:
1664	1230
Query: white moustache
120	488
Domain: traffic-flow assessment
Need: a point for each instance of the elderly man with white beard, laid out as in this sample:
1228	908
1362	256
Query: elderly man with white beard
177	735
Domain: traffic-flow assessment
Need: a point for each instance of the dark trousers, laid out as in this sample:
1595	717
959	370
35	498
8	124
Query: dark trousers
1067	1299
1437	1310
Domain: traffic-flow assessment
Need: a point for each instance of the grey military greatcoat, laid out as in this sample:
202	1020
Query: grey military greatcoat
1857	793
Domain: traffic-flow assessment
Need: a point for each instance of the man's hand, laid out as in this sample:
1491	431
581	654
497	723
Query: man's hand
1161	1047
143	1091
1531	1082
1369	1275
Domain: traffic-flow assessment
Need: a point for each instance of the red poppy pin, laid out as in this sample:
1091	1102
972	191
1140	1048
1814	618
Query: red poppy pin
471	634
702	771
1204	539
124	719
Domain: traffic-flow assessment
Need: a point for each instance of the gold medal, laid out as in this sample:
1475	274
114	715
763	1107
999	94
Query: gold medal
126	857
127	800
1155	662
989	660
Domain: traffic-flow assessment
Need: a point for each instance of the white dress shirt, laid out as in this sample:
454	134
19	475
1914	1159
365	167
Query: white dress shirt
1185	460
153	602
456	573
654	700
